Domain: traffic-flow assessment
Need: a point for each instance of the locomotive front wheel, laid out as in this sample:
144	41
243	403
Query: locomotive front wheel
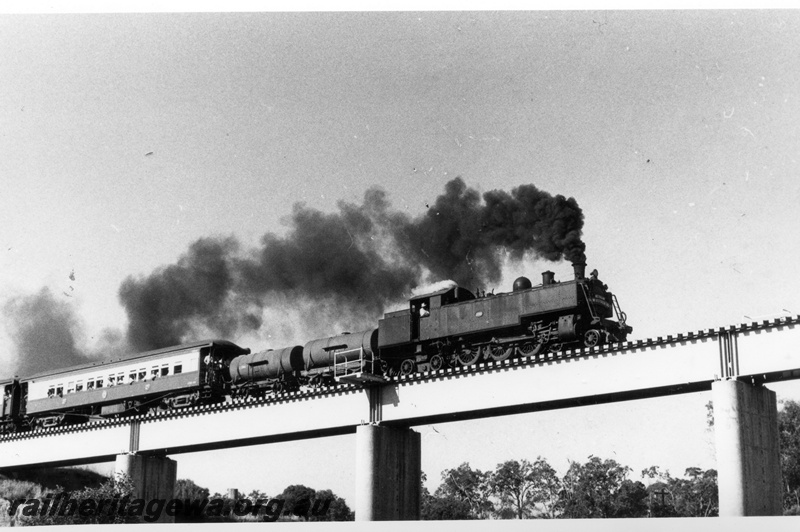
407	367
591	338
468	356
436	362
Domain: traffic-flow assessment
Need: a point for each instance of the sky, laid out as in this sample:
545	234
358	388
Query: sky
128	138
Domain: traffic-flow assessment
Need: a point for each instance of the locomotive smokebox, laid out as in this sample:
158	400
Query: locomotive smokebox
548	277
580	270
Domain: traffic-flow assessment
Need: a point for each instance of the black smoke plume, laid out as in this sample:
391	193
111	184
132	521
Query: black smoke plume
162	307
44	331
357	261
463	239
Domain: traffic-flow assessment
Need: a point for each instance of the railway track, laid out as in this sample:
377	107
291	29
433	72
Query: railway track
545	357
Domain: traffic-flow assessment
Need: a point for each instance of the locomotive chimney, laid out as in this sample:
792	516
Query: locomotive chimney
547	278
580	270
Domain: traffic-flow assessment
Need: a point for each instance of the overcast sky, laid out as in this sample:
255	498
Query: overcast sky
127	137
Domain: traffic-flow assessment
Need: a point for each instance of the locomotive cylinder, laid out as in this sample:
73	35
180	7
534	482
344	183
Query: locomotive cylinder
266	364
320	353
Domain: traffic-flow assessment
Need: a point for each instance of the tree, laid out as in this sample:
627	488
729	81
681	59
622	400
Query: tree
445	508
598	488
470	486
547	488
117	488
297	500
512	482
311	505
630	499
257	495
696	495
186	489
520	485
337	509
442	507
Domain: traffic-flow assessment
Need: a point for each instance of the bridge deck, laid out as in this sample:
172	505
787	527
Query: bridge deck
687	363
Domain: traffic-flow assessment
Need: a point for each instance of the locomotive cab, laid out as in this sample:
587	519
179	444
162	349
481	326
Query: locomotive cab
428	305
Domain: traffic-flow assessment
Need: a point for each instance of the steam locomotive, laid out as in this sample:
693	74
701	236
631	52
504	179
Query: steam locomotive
448	327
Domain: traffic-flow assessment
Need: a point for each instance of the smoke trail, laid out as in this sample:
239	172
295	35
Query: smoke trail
462	239
339	256
44	332
162	306
356	261
531	220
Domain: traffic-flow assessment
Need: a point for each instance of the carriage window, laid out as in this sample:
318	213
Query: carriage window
79	386
51	391
132	376
142	374
154	372
99	382
90	384
120	378
111	380
70	387
177	368
164	370
60	390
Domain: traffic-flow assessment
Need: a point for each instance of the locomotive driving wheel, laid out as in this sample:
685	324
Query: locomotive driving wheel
531	348
469	355
436	362
499	353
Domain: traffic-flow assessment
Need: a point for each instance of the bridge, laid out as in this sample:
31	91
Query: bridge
734	362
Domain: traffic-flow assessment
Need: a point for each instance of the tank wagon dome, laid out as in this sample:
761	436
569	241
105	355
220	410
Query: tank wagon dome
522	283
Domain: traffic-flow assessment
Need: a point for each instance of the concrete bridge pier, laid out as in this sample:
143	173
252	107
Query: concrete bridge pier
748	457
153	477
388	473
